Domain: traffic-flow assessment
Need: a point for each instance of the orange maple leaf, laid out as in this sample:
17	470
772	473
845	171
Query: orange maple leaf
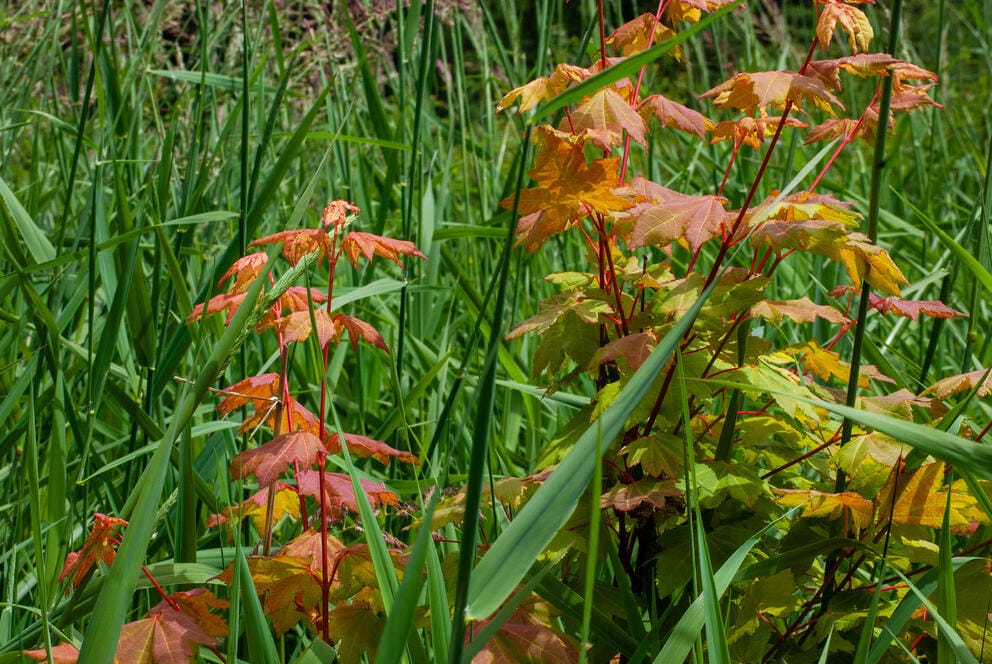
65	653
357	244
359	330
694	219
336	213
297	326
288	586
245	270
568	189
921	499
101	544
543	87
262	391
751	131
822	505
298	243
608	111
170	636
913	308
226	302
852	19
286	502
748	91
638	34
267	462
675	115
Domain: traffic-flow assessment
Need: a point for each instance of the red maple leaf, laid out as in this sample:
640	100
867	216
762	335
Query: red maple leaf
675	115
359	330
65	653
267	462
694	218
366	447
338	492
913	308
368	245
227	302
244	270
171	636
101	544
298	325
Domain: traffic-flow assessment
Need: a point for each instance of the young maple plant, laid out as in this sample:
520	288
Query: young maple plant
729	427
314	576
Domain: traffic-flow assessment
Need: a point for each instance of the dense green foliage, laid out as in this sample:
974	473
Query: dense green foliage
146	145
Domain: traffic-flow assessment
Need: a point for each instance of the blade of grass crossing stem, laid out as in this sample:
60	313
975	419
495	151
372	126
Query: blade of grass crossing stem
512	554
686	631
100	642
317	652
964	455
903	613
868	627
716	634
480	432
385	573
960	653
437	602
946	595
55	496
261	646
37	535
400	620
595	512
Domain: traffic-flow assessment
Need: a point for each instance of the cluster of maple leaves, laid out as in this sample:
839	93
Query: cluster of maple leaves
605	322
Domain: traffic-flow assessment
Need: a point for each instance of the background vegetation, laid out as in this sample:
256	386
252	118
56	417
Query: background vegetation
146	144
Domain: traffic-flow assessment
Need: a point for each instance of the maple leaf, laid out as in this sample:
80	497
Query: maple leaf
817	504
226	302
168	636
359	330
636	35
365	447
695	219
751	131
101	544
628	497
898	404
843	127
307	545
868	64
912	98
288	586
864	260
920	500
356	628
338	492
511	492
747	91
675	115
336	213
527	637
852	19
298	243
357	244
298	298
691	10
802	310
551	310
267	462
658	454
804	206
261	391
543	87
826	364
913	308
286	502
568	189
606	110
953	384
65	653
633	348
298	325
245	270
